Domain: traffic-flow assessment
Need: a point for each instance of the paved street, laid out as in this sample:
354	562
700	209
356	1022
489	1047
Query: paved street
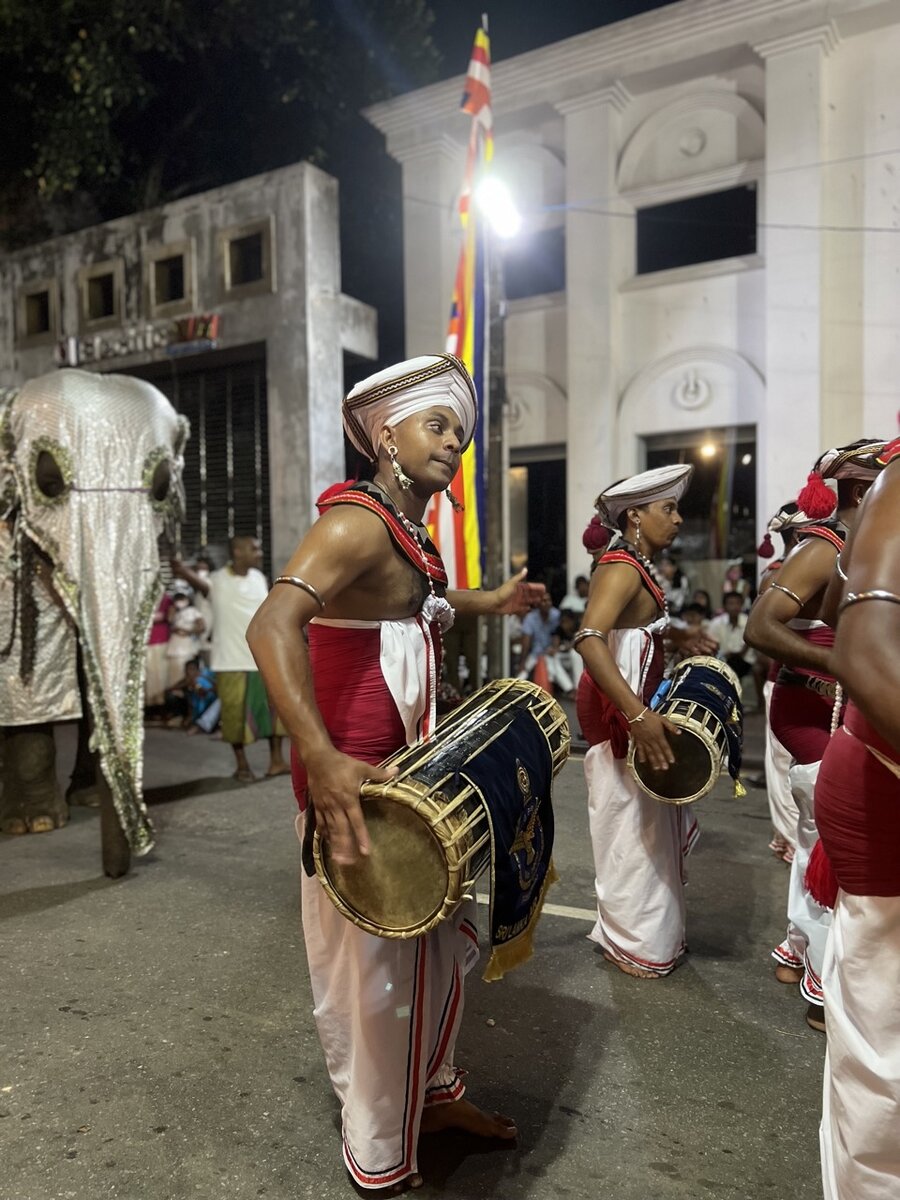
157	1039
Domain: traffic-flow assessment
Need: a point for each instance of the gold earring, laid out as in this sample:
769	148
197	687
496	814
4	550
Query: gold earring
454	503
399	474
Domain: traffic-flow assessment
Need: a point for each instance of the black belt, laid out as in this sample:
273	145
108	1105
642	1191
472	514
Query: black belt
823	687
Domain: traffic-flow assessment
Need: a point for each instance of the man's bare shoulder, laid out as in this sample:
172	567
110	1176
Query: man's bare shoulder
812	560
351	529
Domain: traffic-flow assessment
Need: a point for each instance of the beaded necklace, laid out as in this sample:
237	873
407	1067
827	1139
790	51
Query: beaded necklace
436	608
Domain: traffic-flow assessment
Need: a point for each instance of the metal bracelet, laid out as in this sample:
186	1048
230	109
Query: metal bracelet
787	591
839	570
874	594
296	581
586	633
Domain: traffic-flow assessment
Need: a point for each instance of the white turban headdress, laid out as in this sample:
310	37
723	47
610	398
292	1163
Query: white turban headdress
398	392
859	460
662	483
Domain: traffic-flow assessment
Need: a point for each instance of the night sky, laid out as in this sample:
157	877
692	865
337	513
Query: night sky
371	212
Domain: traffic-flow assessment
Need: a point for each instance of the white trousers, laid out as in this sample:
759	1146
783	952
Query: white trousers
782	806
860	1130
387	1013
639	849
808	921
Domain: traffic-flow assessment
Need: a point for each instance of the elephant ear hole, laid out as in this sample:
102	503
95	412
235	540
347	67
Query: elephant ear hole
49	477
161	482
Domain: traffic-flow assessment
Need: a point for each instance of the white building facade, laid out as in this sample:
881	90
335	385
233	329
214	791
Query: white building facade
782	342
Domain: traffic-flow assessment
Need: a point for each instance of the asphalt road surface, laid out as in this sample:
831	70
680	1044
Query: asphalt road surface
157	1042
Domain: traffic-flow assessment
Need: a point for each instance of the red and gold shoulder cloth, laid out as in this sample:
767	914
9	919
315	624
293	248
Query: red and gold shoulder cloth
626	556
830	531
416	553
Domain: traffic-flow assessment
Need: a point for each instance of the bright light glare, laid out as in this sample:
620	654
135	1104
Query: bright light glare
746	460
495	201
708	450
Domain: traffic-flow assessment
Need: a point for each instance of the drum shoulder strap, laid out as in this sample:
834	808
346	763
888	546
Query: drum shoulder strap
622	556
405	543
828	532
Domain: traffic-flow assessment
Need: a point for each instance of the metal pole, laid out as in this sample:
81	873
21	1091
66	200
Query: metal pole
497	556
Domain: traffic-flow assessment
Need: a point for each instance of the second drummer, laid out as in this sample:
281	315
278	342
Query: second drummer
368	589
639	844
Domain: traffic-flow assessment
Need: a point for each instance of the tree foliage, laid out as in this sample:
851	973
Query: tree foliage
117	105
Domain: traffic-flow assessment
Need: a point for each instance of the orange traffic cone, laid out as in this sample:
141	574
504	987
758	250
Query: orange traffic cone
540	676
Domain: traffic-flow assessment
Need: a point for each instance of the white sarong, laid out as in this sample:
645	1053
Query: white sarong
639	843
782	806
860	1130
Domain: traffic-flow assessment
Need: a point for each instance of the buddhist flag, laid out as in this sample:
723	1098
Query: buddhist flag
459	535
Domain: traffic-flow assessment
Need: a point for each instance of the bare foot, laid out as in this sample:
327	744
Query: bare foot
244	775
278	769
462	1114
628	969
786	974
815	1017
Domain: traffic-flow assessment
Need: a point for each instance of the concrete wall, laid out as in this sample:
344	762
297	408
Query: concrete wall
301	317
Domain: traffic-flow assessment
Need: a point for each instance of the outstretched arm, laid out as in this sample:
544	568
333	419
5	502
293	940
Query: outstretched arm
613	588
336	552
516	596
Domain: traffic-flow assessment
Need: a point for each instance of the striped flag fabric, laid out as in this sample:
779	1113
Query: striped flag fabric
460	535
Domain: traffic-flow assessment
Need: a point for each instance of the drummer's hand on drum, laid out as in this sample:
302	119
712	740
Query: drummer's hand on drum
650	742
334	784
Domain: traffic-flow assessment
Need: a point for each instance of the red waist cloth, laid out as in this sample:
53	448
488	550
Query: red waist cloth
351	693
799	717
599	718
858	810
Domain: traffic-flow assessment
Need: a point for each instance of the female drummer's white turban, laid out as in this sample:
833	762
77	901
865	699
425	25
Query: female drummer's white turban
392	395
663	483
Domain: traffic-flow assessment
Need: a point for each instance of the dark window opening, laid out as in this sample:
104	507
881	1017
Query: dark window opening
101	297
537	266
37	313
168	279
699	229
245	259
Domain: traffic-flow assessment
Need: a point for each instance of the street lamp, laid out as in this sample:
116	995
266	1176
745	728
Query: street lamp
502	222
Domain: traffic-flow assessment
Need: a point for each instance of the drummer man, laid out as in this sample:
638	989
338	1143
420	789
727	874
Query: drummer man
366	586
639	843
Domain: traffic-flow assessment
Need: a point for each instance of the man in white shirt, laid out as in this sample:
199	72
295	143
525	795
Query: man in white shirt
728	630
576	601
235	593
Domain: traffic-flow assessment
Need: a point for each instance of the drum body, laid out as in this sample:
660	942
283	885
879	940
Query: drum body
703	699
429	826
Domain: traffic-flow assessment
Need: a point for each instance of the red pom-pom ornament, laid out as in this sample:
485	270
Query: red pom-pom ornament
817	500
596	537
765	549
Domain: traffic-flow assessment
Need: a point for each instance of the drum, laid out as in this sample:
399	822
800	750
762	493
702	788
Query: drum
431	826
703	698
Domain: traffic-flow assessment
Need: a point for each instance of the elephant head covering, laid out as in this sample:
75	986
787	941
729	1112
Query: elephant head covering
662	483
398	392
90	474
859	460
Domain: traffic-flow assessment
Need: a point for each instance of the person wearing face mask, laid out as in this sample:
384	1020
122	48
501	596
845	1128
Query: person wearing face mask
185	628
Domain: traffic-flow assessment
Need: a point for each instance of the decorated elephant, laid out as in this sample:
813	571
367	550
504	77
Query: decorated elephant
90	475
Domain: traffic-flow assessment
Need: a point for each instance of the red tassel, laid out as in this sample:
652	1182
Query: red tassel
765	549
596	537
820	879
817	500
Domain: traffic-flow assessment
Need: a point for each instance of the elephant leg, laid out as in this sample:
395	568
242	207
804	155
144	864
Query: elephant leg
31	801
83	788
114	846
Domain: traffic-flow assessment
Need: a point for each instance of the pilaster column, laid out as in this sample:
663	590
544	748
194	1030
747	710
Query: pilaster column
791	434
599	257
432	177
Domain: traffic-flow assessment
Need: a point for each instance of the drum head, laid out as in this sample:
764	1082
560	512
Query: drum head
685	780
402	885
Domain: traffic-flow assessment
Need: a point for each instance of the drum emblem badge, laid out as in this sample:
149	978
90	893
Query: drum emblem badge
527	845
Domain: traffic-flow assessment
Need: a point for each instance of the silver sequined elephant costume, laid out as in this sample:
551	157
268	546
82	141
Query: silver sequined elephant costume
90	472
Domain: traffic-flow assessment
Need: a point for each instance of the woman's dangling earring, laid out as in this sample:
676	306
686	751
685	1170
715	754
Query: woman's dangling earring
455	504
399	474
